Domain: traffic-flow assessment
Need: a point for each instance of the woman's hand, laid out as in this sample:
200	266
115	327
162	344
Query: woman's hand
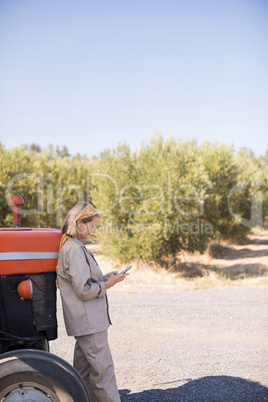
113	279
107	276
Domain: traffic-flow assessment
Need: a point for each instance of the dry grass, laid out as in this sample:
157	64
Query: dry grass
235	265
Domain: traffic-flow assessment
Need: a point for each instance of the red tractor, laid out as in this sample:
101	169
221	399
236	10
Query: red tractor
28	372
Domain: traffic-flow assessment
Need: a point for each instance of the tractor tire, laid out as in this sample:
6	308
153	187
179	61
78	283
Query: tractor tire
35	375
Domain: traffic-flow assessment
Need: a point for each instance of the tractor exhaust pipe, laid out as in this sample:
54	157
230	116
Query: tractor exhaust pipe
15	202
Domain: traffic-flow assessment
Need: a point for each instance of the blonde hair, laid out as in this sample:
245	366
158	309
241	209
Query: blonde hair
69	225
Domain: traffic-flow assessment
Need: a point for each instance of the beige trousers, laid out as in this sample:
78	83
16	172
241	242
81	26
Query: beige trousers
93	361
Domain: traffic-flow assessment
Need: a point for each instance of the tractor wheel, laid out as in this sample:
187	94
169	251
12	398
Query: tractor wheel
35	375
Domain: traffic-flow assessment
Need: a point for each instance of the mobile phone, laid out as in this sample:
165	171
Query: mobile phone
125	270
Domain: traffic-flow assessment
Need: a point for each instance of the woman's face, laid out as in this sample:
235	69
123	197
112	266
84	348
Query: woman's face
86	229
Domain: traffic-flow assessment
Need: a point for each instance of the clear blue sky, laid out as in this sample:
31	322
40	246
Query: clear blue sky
90	74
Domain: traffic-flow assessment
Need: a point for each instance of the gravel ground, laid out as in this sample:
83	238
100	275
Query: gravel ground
172	344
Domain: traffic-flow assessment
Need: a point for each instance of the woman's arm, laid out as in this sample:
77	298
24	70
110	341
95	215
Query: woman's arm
80	276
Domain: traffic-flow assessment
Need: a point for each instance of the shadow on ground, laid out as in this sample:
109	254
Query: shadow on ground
194	269
212	389
228	253
248	269
261	240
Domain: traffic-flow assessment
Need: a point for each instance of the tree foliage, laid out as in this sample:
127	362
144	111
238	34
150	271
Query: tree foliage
168	196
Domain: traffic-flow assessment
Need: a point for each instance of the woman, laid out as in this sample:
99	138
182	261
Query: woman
85	304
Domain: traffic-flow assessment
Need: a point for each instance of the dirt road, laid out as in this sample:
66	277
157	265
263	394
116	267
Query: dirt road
186	345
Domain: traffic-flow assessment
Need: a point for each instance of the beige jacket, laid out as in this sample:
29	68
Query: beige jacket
82	289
